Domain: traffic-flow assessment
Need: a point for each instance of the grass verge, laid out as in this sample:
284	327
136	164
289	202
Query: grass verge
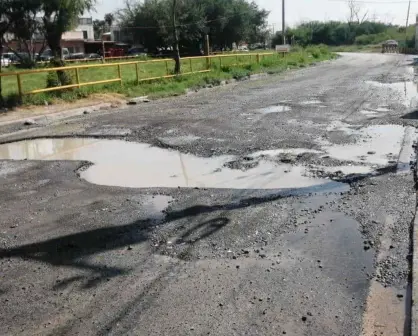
221	70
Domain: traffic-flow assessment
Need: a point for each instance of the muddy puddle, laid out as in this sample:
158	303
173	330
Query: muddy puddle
274	109
406	91
137	165
375	145
311	102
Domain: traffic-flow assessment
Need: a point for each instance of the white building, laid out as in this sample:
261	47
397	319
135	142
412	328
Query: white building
85	26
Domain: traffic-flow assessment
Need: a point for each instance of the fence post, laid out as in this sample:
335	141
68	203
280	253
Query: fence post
120	73
236	59
137	73
77	77
258	58
166	68
19	85
220	62
191	68
207	52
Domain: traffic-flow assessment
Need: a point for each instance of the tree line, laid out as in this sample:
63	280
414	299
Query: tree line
337	33
227	22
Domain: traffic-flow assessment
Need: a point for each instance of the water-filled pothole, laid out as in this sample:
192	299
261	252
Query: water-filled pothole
138	165
379	145
311	102
406	90
274	109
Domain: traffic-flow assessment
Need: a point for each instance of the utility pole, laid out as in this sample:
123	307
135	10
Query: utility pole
283	22
176	41
407	22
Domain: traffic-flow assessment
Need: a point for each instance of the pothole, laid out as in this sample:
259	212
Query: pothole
406	90
139	165
378	145
274	109
311	102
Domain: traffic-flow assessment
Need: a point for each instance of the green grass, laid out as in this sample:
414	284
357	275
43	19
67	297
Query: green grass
357	48
221	69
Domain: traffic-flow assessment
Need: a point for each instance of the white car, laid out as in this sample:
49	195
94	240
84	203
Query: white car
5	62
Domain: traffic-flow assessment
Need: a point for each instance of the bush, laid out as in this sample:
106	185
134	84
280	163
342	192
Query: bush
371	38
314	51
324	49
58	78
296	48
52	80
239	73
226	68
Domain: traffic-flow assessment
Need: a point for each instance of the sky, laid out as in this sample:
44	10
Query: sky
389	11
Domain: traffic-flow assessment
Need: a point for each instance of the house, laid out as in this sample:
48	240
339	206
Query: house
73	40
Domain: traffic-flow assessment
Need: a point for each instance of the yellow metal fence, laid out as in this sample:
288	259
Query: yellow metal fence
192	65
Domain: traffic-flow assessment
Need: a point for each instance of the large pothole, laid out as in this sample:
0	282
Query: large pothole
139	165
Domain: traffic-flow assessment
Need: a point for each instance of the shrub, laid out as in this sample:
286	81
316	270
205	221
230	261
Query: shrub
58	78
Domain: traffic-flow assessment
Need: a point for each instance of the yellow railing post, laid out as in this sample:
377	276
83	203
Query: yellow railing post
191	67
137	73
258	58
19	85
120	73
77	77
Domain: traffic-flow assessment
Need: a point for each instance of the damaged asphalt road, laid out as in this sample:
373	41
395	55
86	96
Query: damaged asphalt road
277	206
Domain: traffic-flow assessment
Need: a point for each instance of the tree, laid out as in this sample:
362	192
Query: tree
4	27
176	40
225	21
98	27
109	18
24	27
59	17
355	12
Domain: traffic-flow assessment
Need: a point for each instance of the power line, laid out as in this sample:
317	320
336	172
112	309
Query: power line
180	25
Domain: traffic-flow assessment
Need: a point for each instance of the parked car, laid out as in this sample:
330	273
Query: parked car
136	51
93	56
47	55
11	57
76	56
5	62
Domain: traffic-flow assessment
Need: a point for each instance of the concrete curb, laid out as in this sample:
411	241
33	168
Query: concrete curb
407	153
414	305
59	115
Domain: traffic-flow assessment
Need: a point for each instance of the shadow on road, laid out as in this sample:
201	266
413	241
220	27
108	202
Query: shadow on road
411	115
71	250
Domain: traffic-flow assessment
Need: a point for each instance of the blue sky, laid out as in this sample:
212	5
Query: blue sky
393	11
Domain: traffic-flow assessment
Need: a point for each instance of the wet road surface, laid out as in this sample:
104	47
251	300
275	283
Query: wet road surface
277	206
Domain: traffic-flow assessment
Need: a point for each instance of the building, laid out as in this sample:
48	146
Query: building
85	27
73	40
